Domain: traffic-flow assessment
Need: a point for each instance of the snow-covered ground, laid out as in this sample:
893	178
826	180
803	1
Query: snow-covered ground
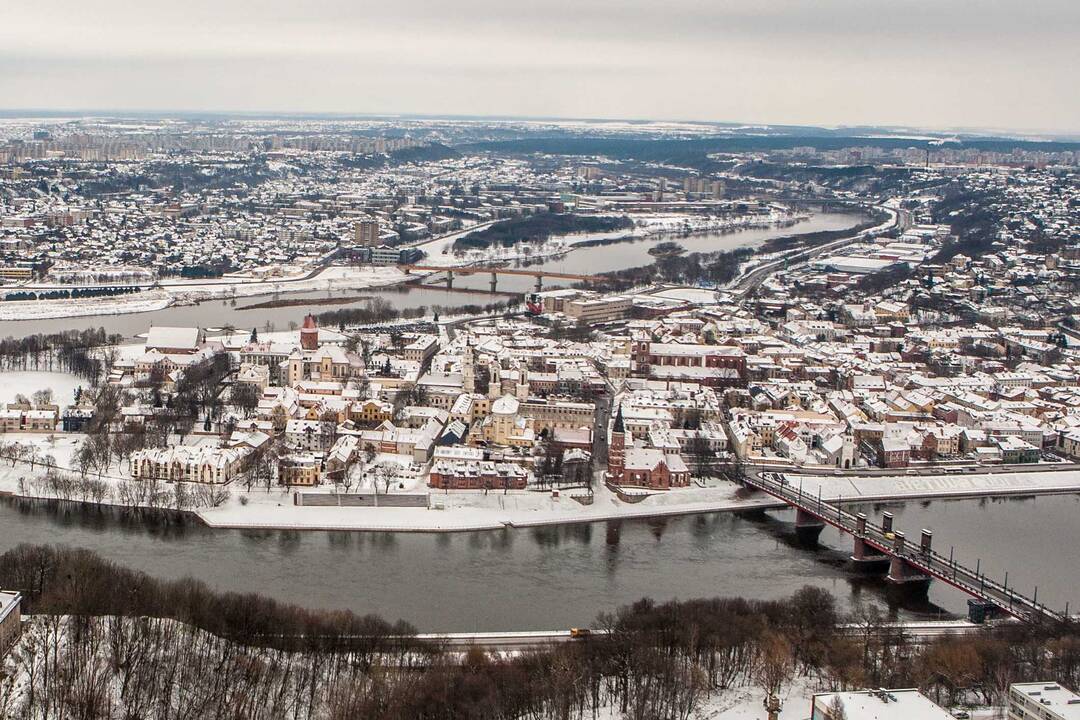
475	510
699	296
335	277
440	252
119	305
27	382
745	703
332	278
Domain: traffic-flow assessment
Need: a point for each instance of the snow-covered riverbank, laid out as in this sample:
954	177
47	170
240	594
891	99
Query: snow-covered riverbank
470	511
462	511
331	278
441	254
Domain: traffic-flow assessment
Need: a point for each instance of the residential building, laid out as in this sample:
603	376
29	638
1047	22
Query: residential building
909	704
476	475
1042	701
202	463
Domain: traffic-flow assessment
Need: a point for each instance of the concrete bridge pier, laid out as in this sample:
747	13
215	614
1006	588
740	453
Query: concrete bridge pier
449	279
903	577
494	281
807	527
539	283
866	557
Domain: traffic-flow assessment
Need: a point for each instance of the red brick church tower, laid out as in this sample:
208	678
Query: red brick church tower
616	459
309	333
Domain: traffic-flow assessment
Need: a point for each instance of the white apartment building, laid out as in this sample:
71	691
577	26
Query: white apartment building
1042	701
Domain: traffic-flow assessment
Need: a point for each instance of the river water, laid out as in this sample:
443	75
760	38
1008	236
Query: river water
552	577
563	576
582	261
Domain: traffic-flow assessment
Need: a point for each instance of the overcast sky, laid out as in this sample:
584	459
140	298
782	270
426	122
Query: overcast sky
926	63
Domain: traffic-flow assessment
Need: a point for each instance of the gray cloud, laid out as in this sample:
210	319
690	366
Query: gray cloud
1000	63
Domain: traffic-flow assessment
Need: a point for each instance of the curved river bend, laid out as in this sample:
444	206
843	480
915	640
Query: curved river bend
215	313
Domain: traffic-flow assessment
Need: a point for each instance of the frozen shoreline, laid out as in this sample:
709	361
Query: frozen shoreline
335	277
468	511
460	516
462	511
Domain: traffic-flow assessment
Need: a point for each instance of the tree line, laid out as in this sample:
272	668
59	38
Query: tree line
380	310
72	294
108	642
83	353
540	227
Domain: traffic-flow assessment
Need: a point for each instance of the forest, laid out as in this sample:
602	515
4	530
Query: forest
108	642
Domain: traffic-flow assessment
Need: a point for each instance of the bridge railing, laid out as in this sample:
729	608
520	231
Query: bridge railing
928	560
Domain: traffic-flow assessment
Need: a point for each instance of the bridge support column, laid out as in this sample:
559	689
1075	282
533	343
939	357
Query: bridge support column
494	281
807	527
866	557
903	577
449	279
539	283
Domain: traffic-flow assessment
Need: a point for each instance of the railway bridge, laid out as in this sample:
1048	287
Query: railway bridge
496	271
907	565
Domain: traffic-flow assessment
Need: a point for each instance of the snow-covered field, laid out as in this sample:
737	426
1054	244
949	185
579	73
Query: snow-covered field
120	305
27	382
337	277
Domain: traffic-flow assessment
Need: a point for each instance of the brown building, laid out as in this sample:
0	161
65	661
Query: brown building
654	469
366	232
648	354
476	475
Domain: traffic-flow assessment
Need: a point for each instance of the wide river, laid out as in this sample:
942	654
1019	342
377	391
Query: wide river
584	260
552	577
563	576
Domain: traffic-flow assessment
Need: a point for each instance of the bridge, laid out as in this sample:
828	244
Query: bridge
496	271
909	566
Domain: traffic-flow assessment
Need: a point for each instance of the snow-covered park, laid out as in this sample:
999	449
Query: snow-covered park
27	382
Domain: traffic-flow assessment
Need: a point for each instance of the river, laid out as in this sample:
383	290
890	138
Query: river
583	260
563	576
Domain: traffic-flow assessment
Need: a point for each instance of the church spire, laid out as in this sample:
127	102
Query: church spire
618	426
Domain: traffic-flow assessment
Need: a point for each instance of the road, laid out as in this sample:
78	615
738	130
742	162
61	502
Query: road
745	285
920	631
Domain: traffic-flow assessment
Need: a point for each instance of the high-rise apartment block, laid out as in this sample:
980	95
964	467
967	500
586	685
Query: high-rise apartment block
366	232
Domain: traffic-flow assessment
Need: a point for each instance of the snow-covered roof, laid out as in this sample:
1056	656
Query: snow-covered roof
174	338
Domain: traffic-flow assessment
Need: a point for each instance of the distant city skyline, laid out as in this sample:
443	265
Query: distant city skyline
921	64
